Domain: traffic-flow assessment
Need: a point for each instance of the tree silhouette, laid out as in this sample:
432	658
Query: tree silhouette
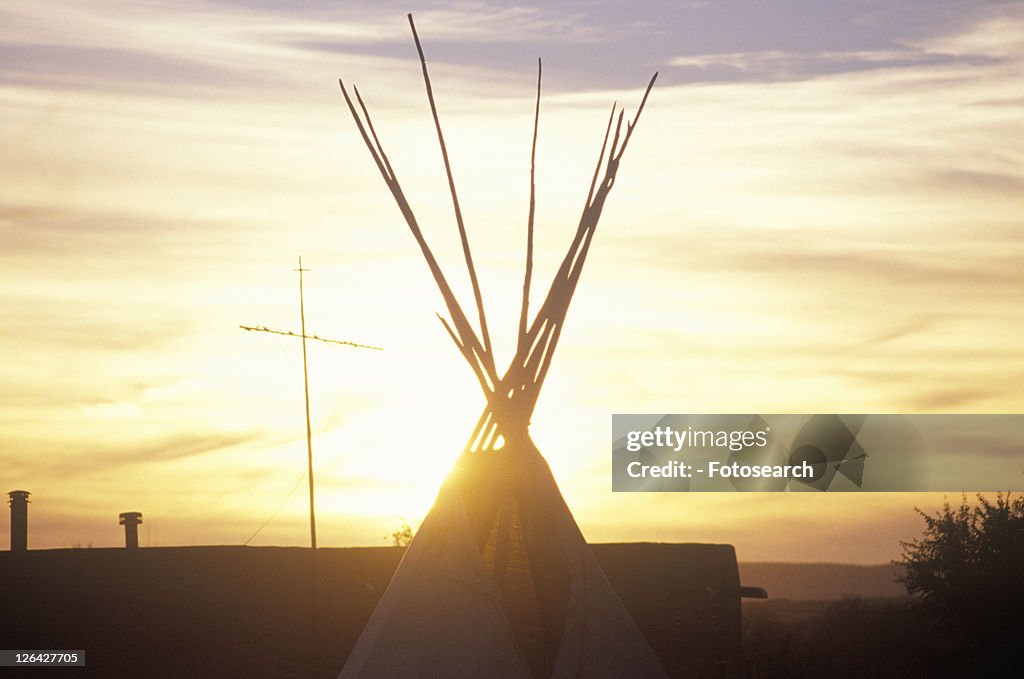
402	536
966	568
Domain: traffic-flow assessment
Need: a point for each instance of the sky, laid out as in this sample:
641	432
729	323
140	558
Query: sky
822	210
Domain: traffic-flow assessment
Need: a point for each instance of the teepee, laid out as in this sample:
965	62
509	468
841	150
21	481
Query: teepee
498	581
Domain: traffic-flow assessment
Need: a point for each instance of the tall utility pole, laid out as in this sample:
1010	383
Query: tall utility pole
305	382
309	431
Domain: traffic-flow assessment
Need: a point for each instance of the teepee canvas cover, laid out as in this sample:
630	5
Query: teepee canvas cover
498	581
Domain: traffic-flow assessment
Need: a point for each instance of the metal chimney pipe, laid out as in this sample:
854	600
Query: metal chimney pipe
131	521
19	520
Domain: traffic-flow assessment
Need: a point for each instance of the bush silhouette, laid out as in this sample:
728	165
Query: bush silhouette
965	571
402	536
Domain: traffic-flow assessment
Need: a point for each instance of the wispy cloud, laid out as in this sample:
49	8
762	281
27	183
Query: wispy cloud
778	65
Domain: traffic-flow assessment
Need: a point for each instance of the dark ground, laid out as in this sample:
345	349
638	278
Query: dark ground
290	612
860	637
283	612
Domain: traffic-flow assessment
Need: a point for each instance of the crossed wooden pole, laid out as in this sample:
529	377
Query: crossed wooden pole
305	377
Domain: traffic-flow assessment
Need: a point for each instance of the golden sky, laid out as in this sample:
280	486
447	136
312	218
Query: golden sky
820	212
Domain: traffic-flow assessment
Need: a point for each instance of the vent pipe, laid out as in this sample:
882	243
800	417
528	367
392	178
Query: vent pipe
131	521
19	520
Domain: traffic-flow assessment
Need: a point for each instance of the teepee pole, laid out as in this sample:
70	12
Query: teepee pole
512	397
469	344
524	312
455	198
536	347
552	314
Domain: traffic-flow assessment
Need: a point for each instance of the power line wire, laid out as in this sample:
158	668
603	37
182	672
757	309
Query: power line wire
276	511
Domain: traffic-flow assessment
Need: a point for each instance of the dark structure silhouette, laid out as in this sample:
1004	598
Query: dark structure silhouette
499	581
234	612
19	520
131	521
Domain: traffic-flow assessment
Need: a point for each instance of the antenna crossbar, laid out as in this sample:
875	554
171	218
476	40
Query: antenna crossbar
288	333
